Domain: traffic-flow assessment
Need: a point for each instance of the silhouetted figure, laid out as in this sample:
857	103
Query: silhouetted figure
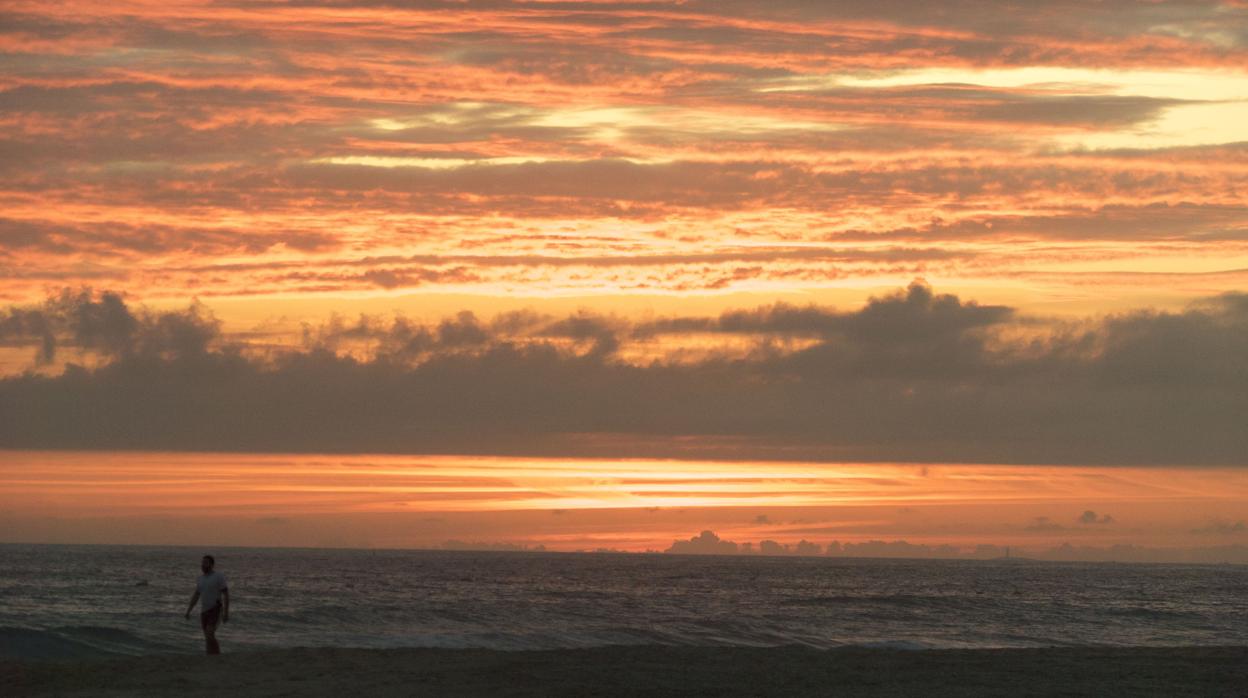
215	609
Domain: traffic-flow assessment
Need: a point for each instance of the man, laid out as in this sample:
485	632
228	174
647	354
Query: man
215	608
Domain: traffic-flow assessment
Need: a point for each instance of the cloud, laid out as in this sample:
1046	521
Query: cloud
1043	523
1219	527
599	332
970	106
913	375
771	547
805	548
1090	517
916	315
705	543
732	145
904	549
105	324
501	546
128	241
896	548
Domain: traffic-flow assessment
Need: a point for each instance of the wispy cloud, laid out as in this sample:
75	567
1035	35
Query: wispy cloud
693	147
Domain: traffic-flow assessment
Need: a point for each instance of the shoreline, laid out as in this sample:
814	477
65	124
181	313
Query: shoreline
647	670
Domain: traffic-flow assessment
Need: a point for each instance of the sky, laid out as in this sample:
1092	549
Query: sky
974	234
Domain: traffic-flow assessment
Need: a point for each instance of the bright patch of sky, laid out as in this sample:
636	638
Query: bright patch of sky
1217	117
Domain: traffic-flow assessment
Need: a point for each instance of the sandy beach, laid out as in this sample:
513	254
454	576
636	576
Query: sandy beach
650	670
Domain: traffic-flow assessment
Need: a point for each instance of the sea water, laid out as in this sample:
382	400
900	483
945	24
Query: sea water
66	601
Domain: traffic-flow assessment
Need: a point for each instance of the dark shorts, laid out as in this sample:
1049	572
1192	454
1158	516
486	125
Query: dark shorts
211	618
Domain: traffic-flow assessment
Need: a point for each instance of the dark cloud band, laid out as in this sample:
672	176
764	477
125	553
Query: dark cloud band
915	376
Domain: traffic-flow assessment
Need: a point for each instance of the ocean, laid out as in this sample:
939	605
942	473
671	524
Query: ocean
78	601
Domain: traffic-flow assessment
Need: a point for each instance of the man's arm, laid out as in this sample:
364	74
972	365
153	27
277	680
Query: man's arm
225	605
191	605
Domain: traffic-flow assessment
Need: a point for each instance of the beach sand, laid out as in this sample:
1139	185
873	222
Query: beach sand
673	671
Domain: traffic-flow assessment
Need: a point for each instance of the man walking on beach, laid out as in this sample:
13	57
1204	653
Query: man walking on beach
215	608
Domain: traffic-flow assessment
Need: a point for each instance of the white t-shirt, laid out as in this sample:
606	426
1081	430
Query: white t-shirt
210	587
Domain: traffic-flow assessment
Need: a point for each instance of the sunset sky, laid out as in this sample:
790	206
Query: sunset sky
758	262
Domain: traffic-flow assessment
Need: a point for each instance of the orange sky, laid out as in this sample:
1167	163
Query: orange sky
730	234
1088	158
565	504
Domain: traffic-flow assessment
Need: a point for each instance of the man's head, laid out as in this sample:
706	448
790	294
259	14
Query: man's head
207	563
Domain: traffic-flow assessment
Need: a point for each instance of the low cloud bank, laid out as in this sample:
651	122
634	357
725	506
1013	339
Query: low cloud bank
912	376
492	546
705	543
1090	517
708	543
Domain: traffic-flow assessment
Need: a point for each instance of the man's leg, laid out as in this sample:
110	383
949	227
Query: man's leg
208	621
210	636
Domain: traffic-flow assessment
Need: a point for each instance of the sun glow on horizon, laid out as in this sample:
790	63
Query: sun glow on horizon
68	496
